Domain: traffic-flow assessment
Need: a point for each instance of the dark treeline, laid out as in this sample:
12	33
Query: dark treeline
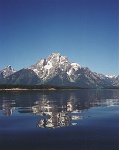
12	86
30	87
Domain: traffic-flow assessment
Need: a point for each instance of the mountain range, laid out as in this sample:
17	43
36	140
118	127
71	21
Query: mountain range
57	70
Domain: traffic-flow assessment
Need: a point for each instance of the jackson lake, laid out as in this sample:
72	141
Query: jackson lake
86	119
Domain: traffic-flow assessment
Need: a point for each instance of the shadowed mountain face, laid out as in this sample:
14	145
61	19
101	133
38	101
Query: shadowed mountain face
116	81
57	70
24	76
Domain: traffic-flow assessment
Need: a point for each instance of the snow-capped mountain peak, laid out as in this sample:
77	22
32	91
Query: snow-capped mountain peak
57	58
51	64
7	71
55	64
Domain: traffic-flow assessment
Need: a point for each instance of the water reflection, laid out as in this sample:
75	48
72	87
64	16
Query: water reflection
58	109
105	102
8	106
55	120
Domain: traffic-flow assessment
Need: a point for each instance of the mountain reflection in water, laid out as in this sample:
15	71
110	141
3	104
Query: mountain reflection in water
8	106
58	109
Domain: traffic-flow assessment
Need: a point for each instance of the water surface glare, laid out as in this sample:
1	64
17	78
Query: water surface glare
59	120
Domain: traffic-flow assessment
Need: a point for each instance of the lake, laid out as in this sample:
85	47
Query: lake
85	119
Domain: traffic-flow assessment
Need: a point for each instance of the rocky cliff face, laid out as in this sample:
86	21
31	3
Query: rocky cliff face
116	81
7	71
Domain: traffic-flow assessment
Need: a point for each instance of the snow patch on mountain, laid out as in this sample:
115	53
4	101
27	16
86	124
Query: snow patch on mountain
75	66
111	76
48	65
7	71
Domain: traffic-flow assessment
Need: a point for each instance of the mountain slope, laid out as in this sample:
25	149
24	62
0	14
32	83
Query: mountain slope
24	76
116	82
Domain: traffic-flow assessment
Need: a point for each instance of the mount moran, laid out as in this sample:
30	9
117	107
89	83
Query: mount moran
57	70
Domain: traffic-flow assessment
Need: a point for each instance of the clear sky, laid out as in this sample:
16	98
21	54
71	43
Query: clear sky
86	31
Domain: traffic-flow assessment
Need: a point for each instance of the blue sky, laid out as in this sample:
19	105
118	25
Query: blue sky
86	31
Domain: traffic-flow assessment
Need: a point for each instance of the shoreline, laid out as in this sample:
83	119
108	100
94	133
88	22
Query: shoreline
21	89
54	89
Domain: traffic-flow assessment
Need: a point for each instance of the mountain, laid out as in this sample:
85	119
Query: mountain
57	70
107	80
7	71
116	82
23	76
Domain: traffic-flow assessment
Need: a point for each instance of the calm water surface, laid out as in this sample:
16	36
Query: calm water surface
59	120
